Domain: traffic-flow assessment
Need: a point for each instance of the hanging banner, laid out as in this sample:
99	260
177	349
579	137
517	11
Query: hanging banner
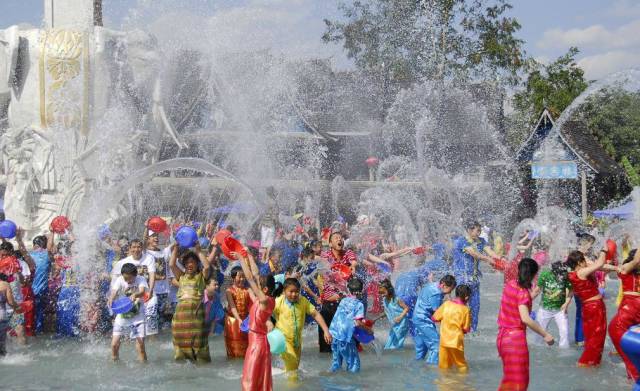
554	170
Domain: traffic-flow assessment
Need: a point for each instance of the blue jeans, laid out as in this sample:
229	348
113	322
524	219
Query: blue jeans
41	300
347	352
474	304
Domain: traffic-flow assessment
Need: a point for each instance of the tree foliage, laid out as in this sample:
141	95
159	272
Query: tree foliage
554	85
613	115
416	40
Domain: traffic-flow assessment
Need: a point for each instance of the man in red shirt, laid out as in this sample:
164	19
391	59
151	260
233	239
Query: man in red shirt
334	284
337	255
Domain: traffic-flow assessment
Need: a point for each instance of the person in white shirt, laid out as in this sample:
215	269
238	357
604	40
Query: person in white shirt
164	310
146	264
129	284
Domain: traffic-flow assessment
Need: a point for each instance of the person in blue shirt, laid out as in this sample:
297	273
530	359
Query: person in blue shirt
68	305
427	340
41	255
408	284
396	312
348	316
468	252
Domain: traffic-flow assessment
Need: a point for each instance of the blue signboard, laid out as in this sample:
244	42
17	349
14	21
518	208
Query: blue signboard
554	170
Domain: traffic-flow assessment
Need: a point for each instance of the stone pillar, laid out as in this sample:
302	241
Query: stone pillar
72	14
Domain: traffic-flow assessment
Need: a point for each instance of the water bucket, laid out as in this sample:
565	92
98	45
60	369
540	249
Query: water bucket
244	326
186	237
384	268
60	224
204	242
8	229
361	335
419	250
122	305
630	345
276	341
231	245
221	235
612	251
344	270
156	224
104	232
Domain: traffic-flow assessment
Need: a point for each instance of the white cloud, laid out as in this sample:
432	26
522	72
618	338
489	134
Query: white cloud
592	37
625	9
599	65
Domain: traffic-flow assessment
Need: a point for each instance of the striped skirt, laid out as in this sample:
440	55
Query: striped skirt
513	350
190	337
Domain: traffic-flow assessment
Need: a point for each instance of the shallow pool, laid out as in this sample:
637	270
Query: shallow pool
54	364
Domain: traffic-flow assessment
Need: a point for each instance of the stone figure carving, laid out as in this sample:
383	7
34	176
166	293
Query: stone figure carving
57	88
28	174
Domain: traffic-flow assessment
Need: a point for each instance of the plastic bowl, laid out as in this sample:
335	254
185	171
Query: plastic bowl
122	305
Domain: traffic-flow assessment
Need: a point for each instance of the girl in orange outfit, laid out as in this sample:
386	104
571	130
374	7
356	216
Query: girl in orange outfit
239	301
456	322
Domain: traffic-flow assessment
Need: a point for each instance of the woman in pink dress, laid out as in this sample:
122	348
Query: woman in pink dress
256	373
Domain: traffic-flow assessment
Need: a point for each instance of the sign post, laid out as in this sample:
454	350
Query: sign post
554	170
562	170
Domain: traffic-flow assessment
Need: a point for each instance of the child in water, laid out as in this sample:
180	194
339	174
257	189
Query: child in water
129	284
396	311
348	316
290	312
427	339
239	301
256	372
213	310
455	318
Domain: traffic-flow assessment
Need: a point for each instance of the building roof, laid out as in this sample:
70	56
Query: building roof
580	139
577	138
540	131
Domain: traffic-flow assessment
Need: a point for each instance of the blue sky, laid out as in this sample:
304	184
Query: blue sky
607	32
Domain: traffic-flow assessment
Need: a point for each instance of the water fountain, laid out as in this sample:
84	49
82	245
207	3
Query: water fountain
110	126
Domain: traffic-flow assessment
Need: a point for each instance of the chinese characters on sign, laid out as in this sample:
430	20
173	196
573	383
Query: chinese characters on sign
554	170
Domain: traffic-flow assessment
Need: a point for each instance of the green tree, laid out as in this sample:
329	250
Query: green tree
404	41
631	171
613	115
554	85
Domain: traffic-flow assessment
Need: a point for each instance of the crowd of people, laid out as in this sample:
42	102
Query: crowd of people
305	277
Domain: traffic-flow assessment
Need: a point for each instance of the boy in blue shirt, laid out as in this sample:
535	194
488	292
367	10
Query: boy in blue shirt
349	315
427	340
